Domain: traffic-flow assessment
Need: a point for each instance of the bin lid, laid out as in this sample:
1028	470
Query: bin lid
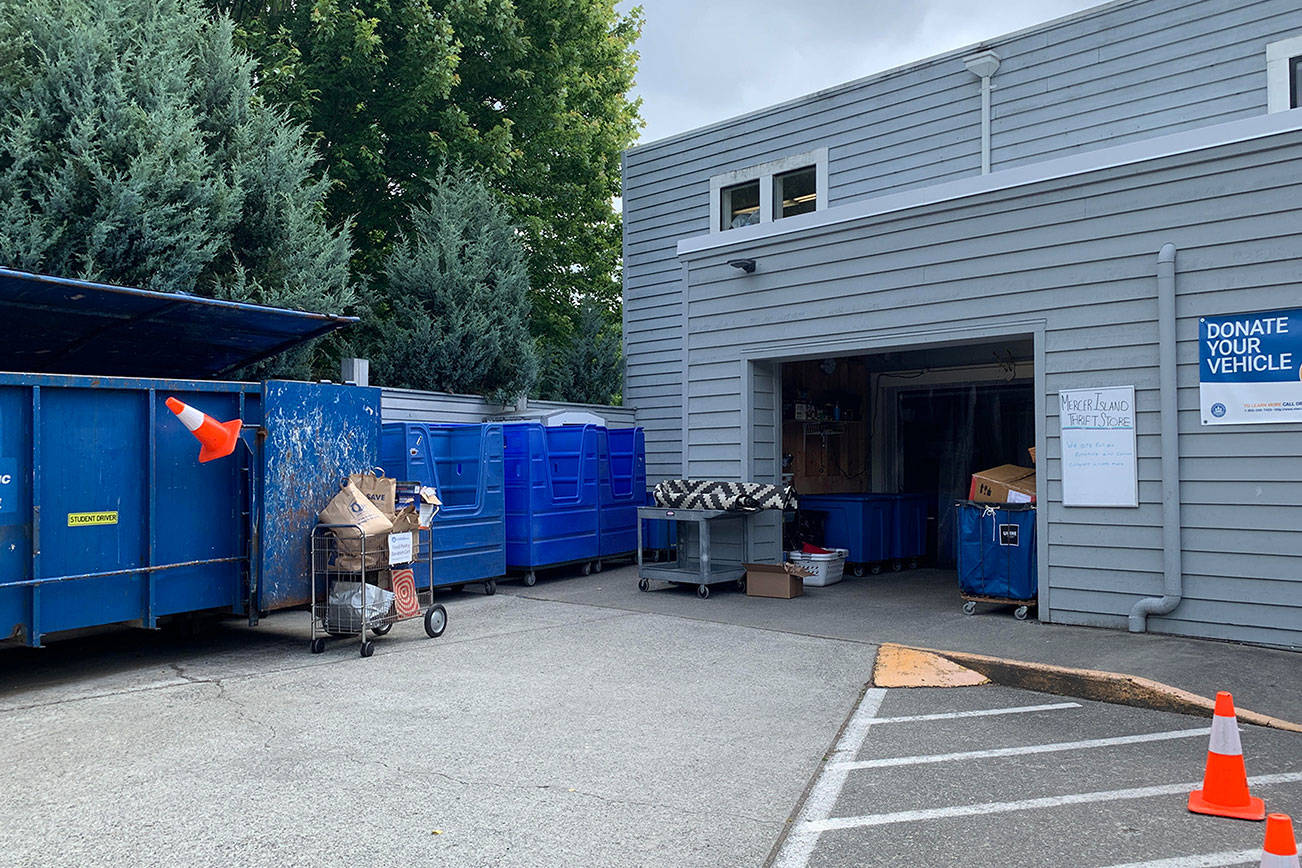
58	325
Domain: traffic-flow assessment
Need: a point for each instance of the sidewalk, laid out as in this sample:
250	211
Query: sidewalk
922	608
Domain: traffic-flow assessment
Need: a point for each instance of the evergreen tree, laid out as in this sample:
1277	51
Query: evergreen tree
587	365
459	298
134	150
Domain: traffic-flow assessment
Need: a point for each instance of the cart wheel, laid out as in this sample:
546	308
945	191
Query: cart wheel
530	579
969	607
381	630
318	645
896	566
1021	612
655	555
490	587
368	648
741	584
643	584
875	569
596	566
436	621
585	569
703	591
913	564
858	569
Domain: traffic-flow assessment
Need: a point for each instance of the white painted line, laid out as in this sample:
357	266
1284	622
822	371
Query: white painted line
1028	804
802	839
888	762
985	712
1206	860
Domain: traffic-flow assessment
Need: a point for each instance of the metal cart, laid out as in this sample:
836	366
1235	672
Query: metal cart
347	597
685	569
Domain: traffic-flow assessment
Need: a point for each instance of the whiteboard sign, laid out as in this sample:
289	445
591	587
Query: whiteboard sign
1098	447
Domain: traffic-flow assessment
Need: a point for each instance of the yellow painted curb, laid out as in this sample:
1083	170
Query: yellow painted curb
898	666
1114	687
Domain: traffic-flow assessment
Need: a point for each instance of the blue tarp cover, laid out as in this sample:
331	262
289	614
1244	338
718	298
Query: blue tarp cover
61	326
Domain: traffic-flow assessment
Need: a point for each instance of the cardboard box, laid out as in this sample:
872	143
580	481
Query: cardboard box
1031	451
1006	483
772	580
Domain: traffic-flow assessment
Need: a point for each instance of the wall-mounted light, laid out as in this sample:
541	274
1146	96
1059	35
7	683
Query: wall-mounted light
746	265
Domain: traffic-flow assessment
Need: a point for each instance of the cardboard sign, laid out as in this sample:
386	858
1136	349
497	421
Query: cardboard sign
1250	368
404	594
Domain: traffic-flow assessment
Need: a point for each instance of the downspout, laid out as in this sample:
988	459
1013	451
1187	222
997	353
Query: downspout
984	65
1172	568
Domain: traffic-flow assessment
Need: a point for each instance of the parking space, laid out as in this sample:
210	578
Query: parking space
1002	777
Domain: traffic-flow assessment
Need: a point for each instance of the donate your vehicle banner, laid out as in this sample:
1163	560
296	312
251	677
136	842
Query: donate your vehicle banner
1249	368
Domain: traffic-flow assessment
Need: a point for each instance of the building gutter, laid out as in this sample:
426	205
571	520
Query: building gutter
1172	566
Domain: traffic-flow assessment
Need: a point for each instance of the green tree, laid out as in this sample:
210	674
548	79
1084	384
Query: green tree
586	365
134	150
459	292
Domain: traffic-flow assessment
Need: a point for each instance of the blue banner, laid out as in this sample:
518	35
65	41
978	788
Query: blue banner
1250	368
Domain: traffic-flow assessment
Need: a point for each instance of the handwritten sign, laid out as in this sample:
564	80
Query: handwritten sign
1250	368
1098	446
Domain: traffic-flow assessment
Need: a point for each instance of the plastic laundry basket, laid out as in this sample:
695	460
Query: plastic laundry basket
827	569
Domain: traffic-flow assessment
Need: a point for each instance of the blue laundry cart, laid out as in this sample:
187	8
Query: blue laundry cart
996	555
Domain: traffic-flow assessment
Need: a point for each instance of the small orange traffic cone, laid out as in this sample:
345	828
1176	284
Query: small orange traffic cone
1280	850
1225	781
217	439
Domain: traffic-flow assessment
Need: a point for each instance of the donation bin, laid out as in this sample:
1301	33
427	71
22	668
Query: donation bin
996	554
622	466
860	523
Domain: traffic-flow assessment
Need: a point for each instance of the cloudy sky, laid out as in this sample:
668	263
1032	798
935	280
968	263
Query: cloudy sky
706	60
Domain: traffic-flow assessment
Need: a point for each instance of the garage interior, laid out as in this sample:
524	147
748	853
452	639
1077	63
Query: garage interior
916	420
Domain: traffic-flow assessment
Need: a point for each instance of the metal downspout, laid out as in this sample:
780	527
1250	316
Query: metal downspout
1172	568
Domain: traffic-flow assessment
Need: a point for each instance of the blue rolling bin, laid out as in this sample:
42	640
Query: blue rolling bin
552	497
659	538
622	454
861	523
465	464
908	528
106	515
996	555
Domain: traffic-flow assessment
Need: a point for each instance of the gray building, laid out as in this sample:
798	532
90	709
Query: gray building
890	284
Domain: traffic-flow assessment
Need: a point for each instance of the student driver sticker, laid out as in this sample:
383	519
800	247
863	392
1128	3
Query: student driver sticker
88	519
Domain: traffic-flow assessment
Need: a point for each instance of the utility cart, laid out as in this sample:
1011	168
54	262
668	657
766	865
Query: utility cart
690	567
996	556
364	585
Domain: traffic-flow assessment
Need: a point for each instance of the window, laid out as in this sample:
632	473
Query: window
1284	75
795	192
1295	82
740	205
770	191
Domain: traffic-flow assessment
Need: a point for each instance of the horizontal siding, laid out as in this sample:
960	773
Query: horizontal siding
1078	255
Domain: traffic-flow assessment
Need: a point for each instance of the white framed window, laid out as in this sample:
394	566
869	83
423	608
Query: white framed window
769	191
1284	75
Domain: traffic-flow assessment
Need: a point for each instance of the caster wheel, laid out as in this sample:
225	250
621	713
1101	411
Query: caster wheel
655	557
643	584
896	566
436	621
741	585
585	569
596	566
530	579
858	570
969	607
318	645
490	587
1021	612
368	648
703	591
875	569
456	589
381	630
913	564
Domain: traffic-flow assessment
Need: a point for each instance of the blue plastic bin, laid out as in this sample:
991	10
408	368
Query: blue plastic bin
658	537
861	523
996	551
552	495
464	463
622	463
908	526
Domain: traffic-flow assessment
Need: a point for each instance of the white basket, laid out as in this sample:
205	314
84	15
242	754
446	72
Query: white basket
827	569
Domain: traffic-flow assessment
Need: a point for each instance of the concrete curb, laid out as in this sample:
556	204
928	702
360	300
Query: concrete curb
1114	687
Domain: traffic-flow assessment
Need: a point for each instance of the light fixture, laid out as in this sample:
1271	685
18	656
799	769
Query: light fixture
746	265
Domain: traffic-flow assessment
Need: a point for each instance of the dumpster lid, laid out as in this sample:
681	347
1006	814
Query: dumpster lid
59	325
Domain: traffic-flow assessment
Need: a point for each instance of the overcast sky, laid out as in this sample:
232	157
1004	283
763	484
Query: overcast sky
706	60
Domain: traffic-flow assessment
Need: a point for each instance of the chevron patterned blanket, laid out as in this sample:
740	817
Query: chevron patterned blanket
713	494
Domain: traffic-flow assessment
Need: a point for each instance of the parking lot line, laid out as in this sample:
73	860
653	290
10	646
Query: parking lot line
985	712
827	825
1205	860
888	762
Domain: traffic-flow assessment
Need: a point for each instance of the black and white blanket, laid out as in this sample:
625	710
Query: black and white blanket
733	496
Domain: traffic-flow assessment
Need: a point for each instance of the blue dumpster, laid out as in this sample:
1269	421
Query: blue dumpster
106	515
551	496
861	523
996	551
465	464
622	467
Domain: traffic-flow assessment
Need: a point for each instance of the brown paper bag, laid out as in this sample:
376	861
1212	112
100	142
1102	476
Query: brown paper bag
351	506
381	490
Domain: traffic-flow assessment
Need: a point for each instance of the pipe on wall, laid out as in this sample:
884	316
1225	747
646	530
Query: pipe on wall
1172	566
984	65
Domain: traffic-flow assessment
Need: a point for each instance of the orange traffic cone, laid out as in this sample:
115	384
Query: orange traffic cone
1225	782
217	439
1280	850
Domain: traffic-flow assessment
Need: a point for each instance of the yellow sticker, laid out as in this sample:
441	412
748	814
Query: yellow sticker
85	519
